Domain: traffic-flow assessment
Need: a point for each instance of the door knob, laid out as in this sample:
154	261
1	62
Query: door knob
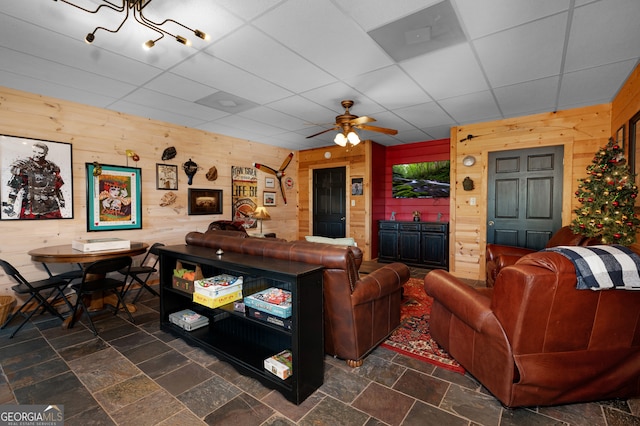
491	223
343	218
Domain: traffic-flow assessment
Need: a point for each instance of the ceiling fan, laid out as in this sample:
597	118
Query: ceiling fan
346	123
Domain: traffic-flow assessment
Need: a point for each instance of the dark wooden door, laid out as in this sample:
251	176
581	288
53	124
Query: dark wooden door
329	202
524	203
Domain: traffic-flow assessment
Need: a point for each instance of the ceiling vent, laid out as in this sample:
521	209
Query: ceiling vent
227	102
430	29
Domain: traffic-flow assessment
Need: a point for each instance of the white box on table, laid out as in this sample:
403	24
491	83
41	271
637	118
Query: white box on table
100	244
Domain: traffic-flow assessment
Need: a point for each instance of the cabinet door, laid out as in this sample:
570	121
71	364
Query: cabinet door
409	246
434	250
388	244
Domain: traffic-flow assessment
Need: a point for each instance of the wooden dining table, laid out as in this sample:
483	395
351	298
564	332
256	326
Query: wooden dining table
66	254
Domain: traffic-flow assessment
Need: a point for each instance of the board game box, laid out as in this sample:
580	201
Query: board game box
273	300
188	319
280	364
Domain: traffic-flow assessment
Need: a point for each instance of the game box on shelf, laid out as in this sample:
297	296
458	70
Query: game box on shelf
273	300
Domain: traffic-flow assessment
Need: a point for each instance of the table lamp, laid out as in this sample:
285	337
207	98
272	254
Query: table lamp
261	214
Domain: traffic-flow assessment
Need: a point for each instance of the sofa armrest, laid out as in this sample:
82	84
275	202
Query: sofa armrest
467	304
380	283
505	260
495	250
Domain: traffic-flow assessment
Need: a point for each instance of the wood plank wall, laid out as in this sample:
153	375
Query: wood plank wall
101	135
582	131
357	161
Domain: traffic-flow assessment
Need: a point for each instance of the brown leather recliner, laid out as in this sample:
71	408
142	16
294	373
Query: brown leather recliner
498	256
534	339
359	313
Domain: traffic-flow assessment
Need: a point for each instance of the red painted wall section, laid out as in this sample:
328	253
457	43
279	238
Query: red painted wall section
414	153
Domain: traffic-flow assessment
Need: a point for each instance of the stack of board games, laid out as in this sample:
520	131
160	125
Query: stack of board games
217	291
267	317
280	364
274	301
188	319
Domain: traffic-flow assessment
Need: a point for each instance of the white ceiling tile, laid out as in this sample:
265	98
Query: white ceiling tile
472	108
599	83
588	47
179	87
447	73
528	97
528	52
223	76
321	33
425	115
263	56
156	114
160	101
275	118
486	17
302	108
372	14
391	87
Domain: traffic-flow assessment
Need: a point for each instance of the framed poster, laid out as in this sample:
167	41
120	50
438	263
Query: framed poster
166	176
114	197
269	198
356	186
37	179
205	201
620	136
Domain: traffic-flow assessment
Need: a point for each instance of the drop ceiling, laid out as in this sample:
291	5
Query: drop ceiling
275	71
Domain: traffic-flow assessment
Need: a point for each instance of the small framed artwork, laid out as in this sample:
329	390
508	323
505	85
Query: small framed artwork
269	198
114	197
356	186
205	201
269	182
37	179
166	176
620	136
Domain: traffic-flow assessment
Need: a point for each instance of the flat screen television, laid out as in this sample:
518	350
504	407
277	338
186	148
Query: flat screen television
429	179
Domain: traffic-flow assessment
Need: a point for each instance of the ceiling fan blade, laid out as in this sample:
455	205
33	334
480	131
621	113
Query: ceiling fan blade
286	162
265	168
324	131
284	197
362	120
377	129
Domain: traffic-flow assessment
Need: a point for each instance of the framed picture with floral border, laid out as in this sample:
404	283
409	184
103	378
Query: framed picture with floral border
114	197
269	198
37	179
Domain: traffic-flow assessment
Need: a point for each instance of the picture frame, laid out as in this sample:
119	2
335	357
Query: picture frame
205	201
269	198
357	186
634	148
114	197
166	176
56	194
620	136
269	182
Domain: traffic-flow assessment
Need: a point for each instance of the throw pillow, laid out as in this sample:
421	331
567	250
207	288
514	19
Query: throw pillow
327	240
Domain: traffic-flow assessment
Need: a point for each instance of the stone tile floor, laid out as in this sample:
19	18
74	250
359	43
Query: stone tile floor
135	374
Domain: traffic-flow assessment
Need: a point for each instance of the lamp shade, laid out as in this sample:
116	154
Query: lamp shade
261	213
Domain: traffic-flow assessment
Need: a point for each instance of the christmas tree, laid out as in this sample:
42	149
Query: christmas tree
607	196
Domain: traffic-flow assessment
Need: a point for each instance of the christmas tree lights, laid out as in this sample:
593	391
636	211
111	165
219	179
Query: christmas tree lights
607	196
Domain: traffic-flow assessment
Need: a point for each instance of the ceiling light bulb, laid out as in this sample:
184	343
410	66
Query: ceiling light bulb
183	40
202	35
148	44
353	138
340	139
89	38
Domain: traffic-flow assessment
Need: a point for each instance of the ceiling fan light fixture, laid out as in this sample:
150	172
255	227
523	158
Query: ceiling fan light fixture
353	138
340	139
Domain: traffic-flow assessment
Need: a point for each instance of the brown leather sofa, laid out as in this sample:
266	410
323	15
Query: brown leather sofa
359	313
534	339
498	256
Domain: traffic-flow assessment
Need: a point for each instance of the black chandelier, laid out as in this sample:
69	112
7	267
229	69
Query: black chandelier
135	7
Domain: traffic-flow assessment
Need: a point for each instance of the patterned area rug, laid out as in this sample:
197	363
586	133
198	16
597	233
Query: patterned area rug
413	337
